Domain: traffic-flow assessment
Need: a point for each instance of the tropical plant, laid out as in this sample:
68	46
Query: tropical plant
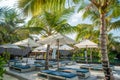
9	25
113	46
2	70
3	60
87	31
102	12
35	7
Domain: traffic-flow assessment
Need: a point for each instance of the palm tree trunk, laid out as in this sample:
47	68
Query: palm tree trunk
47	58
58	53
103	47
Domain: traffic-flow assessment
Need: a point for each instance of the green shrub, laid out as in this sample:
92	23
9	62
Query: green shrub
112	55
2	70
3	60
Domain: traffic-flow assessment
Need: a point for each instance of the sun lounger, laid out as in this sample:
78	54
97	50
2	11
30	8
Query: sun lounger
40	61
98	67
22	68
67	62
13	62
39	67
62	63
53	64
83	73
57	75
87	66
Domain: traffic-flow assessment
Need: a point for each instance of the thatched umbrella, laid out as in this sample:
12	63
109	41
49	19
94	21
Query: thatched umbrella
87	44
27	43
58	39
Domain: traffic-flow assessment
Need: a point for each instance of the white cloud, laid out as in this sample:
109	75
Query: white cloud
10	3
77	19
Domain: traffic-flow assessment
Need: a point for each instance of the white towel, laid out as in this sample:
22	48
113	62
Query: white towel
54	53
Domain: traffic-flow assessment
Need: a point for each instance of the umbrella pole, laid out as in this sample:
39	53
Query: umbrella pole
91	55
58	54
35	55
86	55
47	58
27	55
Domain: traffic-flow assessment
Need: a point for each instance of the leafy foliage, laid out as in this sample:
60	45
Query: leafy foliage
86	31
3	60
9	25
37	6
2	70
49	23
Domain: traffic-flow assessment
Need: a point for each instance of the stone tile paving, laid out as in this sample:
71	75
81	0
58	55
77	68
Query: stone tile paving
8	77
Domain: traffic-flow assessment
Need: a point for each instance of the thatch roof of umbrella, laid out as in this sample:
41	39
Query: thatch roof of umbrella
62	39
65	47
19	52
9	46
86	44
27	43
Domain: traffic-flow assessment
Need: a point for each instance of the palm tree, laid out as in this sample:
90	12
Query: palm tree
101	12
50	23
9	23
85	31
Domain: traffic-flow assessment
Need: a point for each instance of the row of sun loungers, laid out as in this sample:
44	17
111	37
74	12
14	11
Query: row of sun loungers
53	64
36	65
63	73
18	66
40	65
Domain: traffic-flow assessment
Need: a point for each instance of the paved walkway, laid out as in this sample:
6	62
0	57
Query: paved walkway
8	77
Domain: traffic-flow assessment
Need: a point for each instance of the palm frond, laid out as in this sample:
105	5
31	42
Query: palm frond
115	25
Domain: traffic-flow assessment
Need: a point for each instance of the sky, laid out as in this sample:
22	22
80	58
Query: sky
75	19
10	3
